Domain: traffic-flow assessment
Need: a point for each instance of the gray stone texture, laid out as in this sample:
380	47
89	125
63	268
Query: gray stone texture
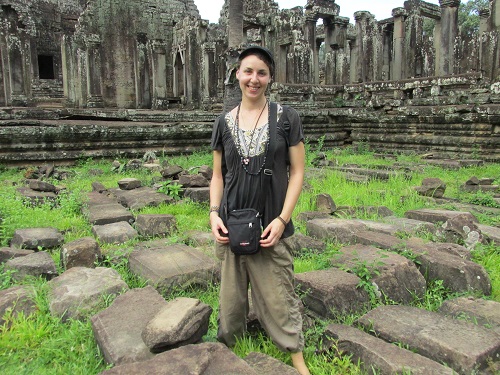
37	238
477	310
16	300
38	264
299	243
396	277
490	233
436	216
38	185
266	365
118	328
375	353
129	183
198	194
102	209
341	230
83	252
432	187
193	180
37	197
463	346
171	266
150	225
181	322
197	359
7	253
380	240
141	197
458	274
80	291
115	232
324	203
331	292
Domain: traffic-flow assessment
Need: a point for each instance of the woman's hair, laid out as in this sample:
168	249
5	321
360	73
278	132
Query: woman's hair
262	53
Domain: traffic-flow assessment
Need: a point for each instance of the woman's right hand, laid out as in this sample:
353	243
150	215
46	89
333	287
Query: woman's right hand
219	230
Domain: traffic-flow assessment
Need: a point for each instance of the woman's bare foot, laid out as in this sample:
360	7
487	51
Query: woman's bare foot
300	364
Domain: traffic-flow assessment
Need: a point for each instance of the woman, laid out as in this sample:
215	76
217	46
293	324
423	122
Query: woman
240	147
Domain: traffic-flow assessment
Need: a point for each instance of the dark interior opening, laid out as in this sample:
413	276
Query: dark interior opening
46	67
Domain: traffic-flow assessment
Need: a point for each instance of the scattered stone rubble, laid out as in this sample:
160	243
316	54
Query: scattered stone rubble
153	332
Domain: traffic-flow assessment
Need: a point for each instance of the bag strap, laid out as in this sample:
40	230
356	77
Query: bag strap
267	171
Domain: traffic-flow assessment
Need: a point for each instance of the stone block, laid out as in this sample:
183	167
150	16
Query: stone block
115	232
170	266
38	264
458	274
193	180
373	353
394	276
264	364
325	203
141	197
16	300
150	225
380	240
80	291
206	358
129	183
83	252
37	238
198	194
298	243
341	230
7	253
435	216
405	225
465	347
120	338
331	292
490	233
108	214
37	197
181	322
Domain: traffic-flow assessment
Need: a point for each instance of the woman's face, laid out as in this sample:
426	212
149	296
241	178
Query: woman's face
254	77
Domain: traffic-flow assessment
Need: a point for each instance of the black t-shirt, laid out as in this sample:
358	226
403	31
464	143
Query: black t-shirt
241	188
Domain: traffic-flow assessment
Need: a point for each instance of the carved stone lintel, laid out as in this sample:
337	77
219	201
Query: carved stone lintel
399	12
449	3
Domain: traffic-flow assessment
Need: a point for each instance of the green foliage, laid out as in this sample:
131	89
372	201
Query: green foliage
171	188
483	199
468	15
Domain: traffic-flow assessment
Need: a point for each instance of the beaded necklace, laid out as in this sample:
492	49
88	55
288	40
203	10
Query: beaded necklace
245	160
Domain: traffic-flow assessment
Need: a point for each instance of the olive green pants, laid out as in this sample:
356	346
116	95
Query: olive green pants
269	273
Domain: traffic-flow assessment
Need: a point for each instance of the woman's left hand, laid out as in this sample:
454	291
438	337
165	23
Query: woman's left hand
272	233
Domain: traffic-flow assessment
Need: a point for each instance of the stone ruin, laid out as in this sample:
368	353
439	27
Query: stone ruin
384	83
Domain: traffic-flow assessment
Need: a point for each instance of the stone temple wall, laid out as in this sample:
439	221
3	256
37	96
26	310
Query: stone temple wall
349	78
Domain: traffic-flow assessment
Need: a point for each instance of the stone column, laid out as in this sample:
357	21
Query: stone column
5	71
159	63
399	15
449	32
94	86
310	37
142	77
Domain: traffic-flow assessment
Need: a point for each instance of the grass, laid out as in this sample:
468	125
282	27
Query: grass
42	344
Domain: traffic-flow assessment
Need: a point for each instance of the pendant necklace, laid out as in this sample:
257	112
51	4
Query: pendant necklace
246	159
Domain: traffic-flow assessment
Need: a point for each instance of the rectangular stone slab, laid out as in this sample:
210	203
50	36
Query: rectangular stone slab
461	345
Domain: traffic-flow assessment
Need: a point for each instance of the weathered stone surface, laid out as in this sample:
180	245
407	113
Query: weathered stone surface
200	194
181	322
374	353
491	234
299	243
171	171
463	346
380	240
476	310
80	291
37	197
435	216
115	232
341	230
36	265
16	300
432	187
267	365
461	227
120	339
193	180
38	185
109	213
36	238
168	266
394	276
198	238
405	225
196	359
98	187
129	183
324	203
206	171
83	252
7	253
150	225
141	197
306	216
332	291
458	274
450	248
